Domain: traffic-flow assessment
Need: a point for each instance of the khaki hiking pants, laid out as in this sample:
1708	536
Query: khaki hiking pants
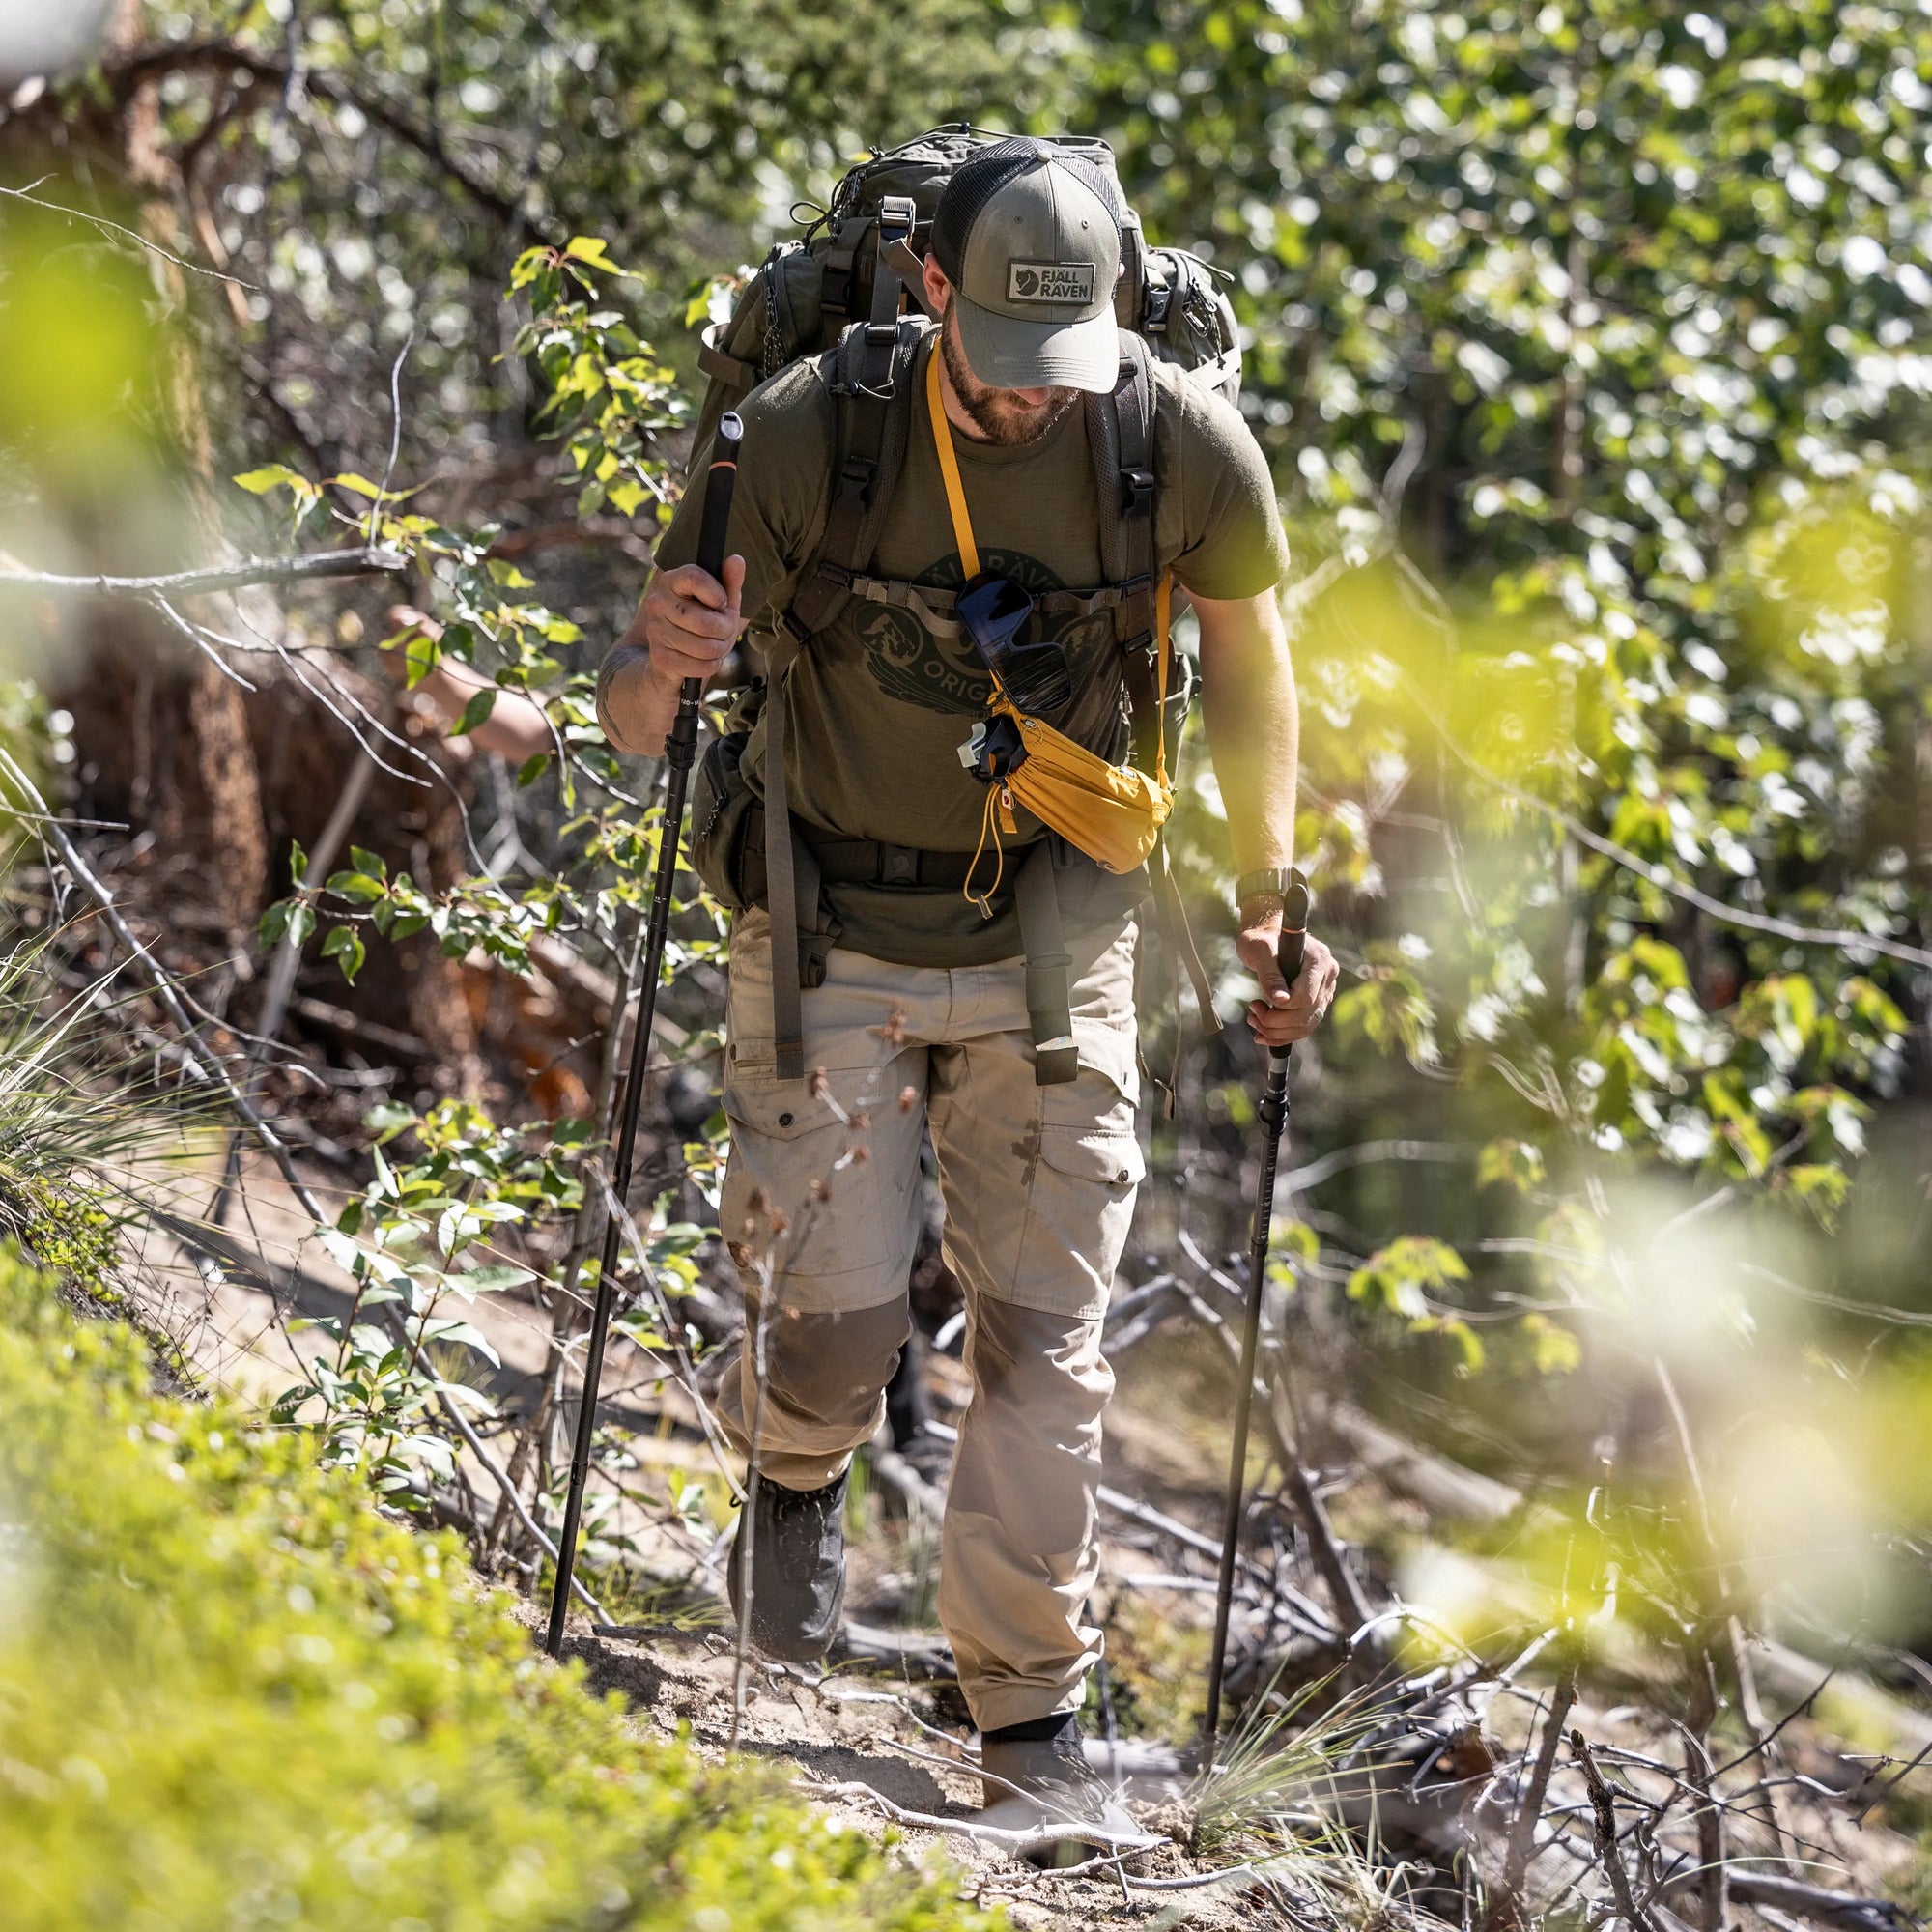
821	1213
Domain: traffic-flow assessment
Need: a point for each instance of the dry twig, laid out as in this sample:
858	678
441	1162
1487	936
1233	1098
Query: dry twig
1603	1806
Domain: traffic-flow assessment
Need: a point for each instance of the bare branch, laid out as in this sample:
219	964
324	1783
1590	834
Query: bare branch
1523	1833
1842	1911
364	561
100	221
1360	1154
122	79
1604	1805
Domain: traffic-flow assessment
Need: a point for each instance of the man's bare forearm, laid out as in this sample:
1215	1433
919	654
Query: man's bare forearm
635	706
1254	726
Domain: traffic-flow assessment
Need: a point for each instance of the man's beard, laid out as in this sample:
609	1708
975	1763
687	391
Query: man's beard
998	415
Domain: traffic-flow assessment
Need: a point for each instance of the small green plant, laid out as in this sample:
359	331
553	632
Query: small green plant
423	1239
472	1206
67	1109
1283	1778
234	1693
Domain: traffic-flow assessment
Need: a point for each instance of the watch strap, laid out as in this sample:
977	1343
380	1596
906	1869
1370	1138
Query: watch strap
1274	879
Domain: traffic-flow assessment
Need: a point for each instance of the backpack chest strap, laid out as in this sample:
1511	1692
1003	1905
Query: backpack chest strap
932	606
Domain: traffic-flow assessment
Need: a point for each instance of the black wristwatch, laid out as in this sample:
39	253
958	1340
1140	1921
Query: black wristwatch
1270	883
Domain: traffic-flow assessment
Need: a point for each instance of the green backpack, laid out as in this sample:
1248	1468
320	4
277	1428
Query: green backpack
858	259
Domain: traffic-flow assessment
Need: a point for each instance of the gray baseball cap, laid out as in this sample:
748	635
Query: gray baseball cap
1030	239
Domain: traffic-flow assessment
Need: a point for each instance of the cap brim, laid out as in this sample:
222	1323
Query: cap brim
1007	354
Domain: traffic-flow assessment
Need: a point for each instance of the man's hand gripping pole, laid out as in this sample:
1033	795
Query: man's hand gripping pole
680	753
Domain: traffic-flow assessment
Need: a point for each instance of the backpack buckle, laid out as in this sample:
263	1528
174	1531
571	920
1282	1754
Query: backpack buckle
854	485
1153	316
994	749
898	214
1137	493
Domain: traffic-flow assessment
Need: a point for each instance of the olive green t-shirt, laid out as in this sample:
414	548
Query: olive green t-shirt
878	705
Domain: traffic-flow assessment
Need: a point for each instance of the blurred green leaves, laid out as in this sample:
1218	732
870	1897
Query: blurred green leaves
80	356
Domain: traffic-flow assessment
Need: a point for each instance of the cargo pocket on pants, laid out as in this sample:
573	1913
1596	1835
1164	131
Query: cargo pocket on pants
799	1212
1079	1211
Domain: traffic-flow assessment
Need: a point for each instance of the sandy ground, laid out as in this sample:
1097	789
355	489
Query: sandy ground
903	1739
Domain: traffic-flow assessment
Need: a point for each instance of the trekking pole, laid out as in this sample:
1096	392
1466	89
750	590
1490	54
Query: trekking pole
680	753
1274	1119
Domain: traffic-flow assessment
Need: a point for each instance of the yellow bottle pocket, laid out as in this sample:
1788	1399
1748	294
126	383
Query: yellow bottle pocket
1113	813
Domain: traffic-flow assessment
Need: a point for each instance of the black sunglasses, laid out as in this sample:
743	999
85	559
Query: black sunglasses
993	611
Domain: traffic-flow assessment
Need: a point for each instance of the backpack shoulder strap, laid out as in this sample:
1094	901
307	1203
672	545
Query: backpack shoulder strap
869	372
1119	434
869	375
1120	430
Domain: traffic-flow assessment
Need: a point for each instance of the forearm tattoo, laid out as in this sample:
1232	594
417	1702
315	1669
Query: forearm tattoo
619	656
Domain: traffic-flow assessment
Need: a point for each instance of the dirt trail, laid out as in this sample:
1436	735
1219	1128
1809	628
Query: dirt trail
860	1726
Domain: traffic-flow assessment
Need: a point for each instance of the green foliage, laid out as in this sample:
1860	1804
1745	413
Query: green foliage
1510	1163
608	392
79	356
1407	1279
378	1395
233	1692
423	1238
1589	341
433	145
610	400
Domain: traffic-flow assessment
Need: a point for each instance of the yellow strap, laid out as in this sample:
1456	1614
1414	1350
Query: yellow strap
989	828
1163	610
949	467
969	555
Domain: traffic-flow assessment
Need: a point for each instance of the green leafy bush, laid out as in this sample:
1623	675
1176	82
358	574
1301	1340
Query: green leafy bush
233	1694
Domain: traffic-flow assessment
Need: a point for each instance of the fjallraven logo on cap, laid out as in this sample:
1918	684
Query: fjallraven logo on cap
1050	281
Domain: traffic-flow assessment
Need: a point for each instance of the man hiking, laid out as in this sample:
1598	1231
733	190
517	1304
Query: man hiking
926	944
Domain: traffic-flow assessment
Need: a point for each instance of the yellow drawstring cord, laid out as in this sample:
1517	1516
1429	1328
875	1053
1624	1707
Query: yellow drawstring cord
999	813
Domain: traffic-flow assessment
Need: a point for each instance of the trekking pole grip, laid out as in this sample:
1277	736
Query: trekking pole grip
1293	941
713	530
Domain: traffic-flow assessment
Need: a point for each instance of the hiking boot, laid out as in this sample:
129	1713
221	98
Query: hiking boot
798	1569
1036	1775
